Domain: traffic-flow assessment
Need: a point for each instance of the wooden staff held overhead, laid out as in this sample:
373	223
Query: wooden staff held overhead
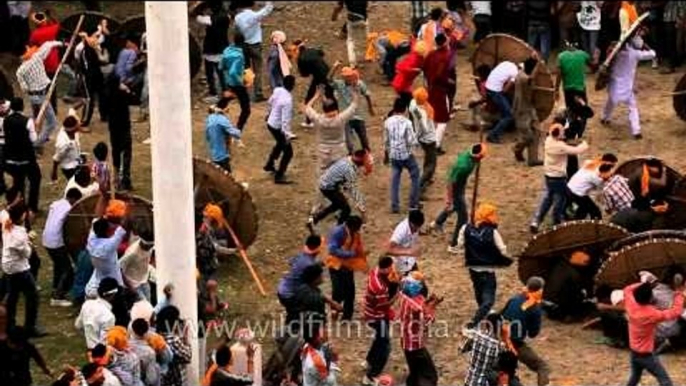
53	84
246	260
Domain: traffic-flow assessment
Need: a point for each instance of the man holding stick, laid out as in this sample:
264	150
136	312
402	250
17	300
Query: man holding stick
34	81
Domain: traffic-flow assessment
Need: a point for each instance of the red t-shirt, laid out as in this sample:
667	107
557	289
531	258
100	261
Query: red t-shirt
45	33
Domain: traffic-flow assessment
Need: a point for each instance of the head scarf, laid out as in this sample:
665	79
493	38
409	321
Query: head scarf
486	213
278	38
532	298
350	74
579	258
30	50
215	213
117	338
115	209
421	96
631	12
156	341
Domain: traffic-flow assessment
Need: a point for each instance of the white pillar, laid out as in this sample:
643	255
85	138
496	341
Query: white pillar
172	167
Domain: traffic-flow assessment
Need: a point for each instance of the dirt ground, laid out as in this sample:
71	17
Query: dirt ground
573	354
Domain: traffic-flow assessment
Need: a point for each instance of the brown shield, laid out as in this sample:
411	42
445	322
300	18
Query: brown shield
656	255
215	185
499	47
81	216
633	168
646	236
90	23
545	248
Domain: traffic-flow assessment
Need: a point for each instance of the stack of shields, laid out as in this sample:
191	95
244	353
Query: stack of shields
545	249
672	187
654	251
498	47
212	185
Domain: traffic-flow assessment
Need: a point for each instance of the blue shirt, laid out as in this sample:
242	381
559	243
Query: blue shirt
124	67
293	279
104	257
232	66
248	23
337	238
523	323
217	130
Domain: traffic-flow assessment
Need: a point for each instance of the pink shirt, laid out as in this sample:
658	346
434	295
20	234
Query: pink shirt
643	319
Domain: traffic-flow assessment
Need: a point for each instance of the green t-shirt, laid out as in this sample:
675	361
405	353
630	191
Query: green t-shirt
572	66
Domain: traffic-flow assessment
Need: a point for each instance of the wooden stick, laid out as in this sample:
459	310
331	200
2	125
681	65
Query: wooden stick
475	192
537	88
246	260
53	84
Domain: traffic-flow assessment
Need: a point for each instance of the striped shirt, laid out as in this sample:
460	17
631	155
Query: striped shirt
31	74
399	137
377	299
424	127
343	172
415	318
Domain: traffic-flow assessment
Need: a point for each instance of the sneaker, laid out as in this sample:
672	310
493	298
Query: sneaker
364	364
269	168
366	381
307	125
656	64
60	303
440	151
638	137
519	156
533	228
211	100
282	180
435	227
454	249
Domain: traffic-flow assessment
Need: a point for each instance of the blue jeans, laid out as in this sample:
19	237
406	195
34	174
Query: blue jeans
503	104
539	33
397	166
49	118
650	362
484	284
381	348
555	191
459	207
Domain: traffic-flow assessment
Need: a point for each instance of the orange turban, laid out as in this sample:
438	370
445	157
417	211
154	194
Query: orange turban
30	50
486	213
156	341
645	181
115	209
215	213
421	96
117	337
350	73
580	258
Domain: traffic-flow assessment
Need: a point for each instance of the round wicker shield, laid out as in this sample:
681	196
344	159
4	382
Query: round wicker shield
215	185
90	23
137	24
647	236
603	77
498	47
545	248
657	255
8	87
679	98
80	218
633	168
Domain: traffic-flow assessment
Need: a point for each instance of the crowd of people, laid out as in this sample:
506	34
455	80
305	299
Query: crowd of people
132	338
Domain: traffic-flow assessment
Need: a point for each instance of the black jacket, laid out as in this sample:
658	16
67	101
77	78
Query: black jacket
222	377
18	145
311	62
480	248
216	35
